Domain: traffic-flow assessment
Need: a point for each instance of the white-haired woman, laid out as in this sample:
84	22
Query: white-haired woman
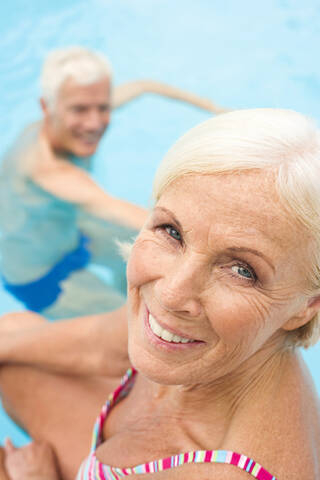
223	286
55	221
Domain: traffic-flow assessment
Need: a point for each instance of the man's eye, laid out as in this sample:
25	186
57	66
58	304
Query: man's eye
173	232
243	272
104	108
78	109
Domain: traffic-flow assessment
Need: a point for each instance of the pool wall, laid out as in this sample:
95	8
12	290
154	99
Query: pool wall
240	54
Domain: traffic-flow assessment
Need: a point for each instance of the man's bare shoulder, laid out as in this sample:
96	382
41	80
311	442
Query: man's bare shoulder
21	153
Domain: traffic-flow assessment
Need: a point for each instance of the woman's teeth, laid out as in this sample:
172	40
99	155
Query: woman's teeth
165	334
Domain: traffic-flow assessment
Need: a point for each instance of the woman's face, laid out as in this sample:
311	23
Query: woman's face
213	277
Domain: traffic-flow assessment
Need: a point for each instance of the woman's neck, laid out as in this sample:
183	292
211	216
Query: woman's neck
216	405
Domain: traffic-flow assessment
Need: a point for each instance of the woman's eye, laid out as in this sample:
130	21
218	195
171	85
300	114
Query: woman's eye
173	232
243	272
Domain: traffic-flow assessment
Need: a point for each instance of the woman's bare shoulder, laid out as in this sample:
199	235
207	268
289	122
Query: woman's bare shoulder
282	430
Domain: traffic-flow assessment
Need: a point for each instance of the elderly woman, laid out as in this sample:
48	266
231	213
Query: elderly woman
223	286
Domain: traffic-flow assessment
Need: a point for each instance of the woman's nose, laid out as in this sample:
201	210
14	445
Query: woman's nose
180	290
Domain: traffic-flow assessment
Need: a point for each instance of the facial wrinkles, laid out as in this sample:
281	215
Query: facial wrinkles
197	267
237	316
217	227
232	229
258	220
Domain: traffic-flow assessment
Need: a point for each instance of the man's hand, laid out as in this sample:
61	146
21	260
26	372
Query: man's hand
35	461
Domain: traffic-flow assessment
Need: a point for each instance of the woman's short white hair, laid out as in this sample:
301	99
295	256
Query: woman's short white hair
283	141
82	65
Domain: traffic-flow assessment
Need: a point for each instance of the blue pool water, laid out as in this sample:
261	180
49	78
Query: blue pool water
241	54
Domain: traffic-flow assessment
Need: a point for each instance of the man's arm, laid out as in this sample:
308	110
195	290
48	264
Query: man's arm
66	181
90	345
128	91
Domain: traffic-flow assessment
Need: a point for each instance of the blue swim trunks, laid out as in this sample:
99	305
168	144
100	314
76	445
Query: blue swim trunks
42	293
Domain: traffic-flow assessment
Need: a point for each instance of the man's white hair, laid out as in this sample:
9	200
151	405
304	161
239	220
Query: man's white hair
82	65
284	141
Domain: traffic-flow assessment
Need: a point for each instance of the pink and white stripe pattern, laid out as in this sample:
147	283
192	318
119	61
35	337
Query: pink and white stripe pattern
92	469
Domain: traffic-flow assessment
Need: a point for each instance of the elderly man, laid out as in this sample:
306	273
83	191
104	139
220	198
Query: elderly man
52	212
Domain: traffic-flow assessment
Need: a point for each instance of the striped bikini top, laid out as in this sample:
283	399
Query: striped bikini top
92	469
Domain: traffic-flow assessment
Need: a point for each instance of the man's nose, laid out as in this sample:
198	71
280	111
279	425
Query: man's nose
95	120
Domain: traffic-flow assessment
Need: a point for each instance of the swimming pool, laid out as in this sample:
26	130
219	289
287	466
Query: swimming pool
240	54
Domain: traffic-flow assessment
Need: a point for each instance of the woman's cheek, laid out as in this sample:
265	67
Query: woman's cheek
144	263
237	315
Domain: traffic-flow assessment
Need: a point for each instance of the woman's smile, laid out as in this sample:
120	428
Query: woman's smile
168	336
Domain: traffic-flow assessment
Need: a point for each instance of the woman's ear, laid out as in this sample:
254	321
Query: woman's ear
311	309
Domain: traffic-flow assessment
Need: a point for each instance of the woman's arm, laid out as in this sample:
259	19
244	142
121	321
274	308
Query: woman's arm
35	461
91	345
128	91
3	470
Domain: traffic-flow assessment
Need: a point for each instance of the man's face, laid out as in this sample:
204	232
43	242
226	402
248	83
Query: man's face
79	118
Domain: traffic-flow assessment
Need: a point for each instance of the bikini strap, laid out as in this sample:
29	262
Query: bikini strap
120	392
199	456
